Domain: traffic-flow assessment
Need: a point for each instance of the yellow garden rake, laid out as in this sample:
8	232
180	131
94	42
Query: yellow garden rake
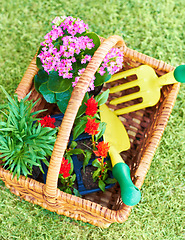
149	84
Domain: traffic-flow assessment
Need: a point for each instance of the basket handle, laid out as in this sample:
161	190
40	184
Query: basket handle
50	189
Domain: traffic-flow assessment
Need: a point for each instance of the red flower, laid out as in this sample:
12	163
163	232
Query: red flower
65	168
92	107
47	121
103	149
91	126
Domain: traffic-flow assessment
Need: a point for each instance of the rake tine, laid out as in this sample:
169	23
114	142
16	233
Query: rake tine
124	86
126	98
132	108
123	74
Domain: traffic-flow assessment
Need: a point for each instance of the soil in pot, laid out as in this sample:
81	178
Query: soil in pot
87	177
85	144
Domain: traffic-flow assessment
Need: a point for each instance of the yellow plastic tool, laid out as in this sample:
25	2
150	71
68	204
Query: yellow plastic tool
115	133
149	84
118	139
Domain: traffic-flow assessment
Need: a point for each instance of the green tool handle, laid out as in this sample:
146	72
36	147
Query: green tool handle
130	194
179	73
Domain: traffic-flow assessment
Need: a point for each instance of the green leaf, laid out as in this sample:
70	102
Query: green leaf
76	151
96	163
26	98
38	129
24	170
78	120
83	107
102	98
76	192
18	169
57	45
110	180
73	144
63	99
8	129
101	79
33	162
96	173
73	178
78	129
37	112
68	190
41	77
101	185
45	162
38	61
13	102
70	160
64	96
96	41
101	129
88	155
105	175
57	83
47	94
3	106
75	67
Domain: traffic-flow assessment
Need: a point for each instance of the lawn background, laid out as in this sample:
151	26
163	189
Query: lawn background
155	28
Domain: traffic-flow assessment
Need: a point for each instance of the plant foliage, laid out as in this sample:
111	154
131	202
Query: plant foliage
24	143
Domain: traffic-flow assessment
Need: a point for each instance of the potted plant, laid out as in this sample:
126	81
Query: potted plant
63	57
24	142
86	150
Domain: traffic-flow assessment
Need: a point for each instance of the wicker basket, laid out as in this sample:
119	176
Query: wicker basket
145	128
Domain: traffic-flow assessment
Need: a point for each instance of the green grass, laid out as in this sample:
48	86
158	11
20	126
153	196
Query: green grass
155	28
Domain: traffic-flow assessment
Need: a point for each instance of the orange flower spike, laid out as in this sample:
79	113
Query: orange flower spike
103	149
65	168
91	126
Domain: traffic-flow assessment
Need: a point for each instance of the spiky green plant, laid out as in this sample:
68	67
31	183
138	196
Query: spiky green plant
23	141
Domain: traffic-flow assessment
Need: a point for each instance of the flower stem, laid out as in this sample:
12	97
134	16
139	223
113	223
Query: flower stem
93	142
102	165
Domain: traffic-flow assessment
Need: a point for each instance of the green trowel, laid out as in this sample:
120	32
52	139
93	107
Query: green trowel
118	139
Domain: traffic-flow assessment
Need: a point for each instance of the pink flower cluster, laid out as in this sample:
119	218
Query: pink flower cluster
60	58
91	84
72	25
113	61
62	46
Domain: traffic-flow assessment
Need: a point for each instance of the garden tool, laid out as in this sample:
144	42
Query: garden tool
149	84
118	139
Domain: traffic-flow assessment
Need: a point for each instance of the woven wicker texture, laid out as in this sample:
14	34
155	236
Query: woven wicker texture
145	128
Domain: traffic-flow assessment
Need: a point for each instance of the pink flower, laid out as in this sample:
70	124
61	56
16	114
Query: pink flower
61	59
113	61
85	59
91	84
